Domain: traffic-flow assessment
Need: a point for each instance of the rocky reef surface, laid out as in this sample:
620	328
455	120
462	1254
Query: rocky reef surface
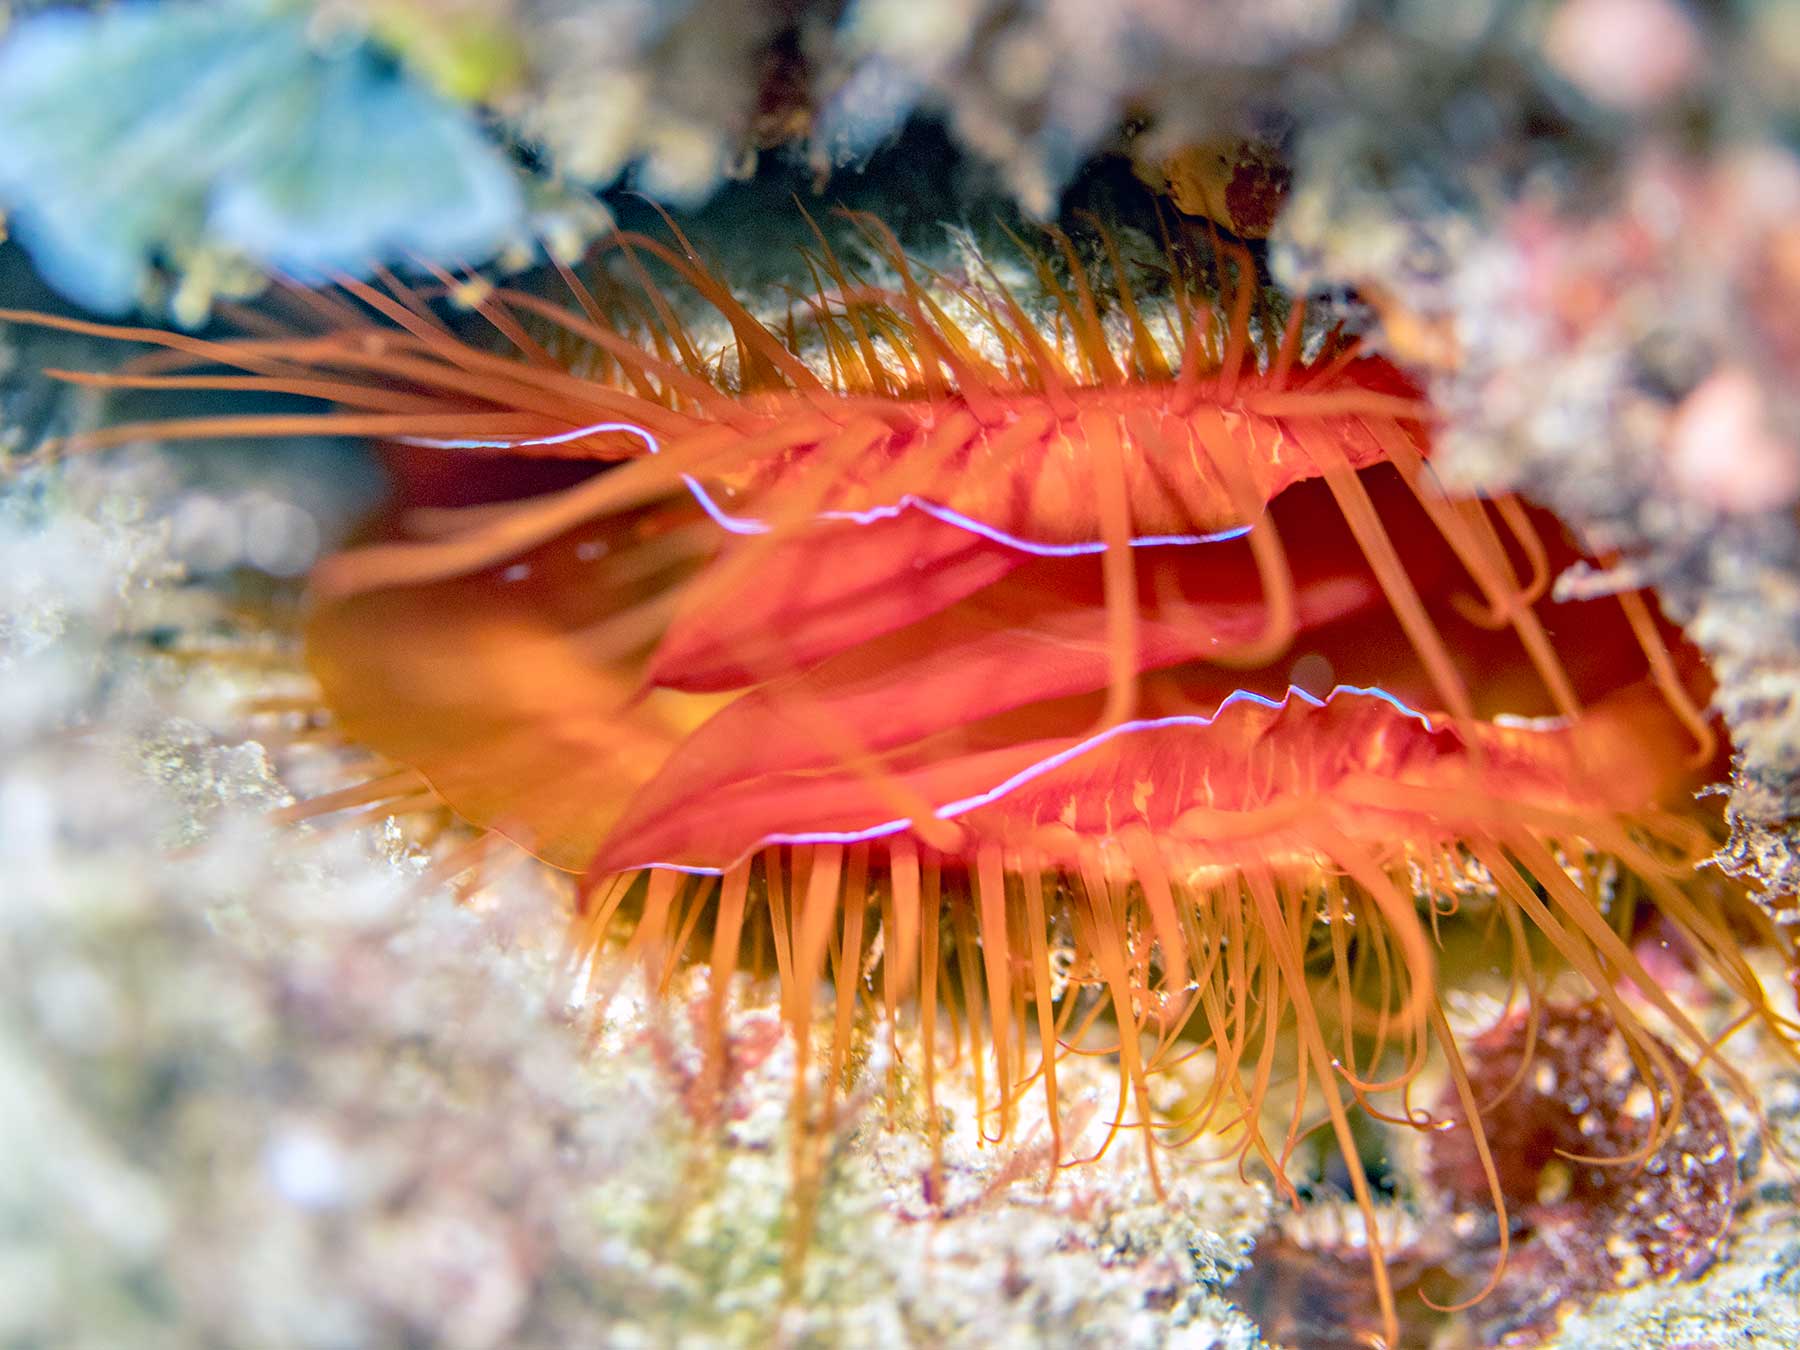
279	1086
